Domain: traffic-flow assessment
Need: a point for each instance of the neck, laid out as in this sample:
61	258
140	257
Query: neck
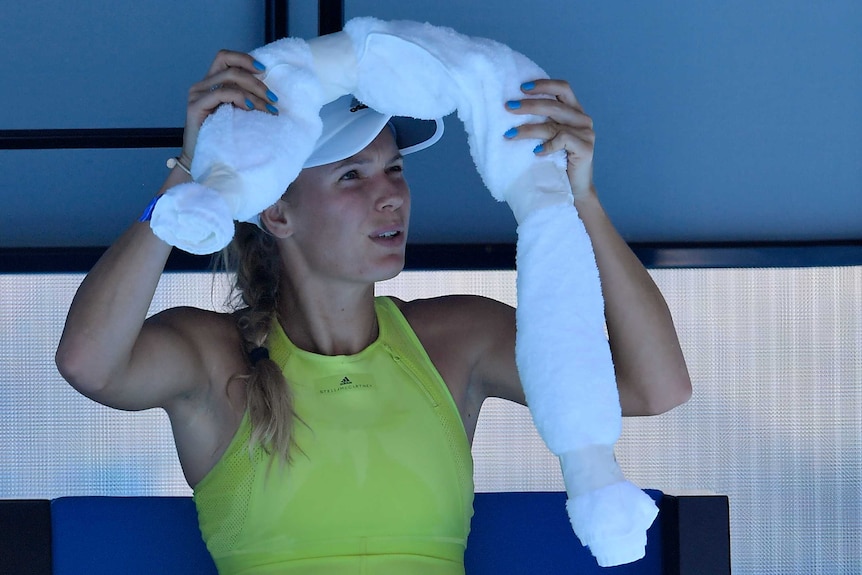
327	323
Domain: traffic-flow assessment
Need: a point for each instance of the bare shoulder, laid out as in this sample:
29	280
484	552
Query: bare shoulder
461	313
209	341
197	324
206	331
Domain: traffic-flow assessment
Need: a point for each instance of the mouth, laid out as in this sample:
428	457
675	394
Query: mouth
388	235
391	231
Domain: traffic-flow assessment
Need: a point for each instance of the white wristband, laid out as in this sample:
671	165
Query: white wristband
174	162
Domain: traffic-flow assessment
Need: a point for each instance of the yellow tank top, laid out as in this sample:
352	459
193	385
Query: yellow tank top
383	484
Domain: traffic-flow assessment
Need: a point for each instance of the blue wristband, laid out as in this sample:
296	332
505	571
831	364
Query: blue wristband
148	211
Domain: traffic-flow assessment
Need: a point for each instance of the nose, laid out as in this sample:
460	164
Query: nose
393	193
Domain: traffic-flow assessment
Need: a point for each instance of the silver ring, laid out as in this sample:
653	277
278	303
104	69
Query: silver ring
215	87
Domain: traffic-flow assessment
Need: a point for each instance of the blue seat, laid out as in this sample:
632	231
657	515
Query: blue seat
529	532
128	535
512	533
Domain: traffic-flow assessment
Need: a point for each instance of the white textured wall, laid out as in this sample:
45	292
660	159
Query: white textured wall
775	422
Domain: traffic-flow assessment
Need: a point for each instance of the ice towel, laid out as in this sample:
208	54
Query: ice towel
400	68
244	160
568	377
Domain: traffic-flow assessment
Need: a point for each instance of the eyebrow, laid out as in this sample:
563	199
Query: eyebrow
353	161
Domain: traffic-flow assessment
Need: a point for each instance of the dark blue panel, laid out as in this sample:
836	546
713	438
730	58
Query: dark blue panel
129	535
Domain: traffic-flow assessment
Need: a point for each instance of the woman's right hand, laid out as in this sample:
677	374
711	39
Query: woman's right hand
232	78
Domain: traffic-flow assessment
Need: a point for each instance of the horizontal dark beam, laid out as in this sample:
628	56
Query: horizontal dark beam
750	254
91	138
81	259
495	257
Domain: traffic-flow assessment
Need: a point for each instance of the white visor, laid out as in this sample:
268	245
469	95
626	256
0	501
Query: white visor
349	126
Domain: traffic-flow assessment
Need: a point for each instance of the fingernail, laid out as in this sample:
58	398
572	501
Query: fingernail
259	66
249	104
538	148
527	86
271	95
511	133
272	109
513	104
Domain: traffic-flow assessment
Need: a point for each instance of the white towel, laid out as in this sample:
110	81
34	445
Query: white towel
561	342
194	217
612	521
568	377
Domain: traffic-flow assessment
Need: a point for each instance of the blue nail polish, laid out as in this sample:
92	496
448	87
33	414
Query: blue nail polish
272	109
538	148
271	95
513	104
511	133
259	66
249	104
527	86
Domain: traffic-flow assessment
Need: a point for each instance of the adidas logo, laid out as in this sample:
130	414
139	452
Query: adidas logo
346	381
356	105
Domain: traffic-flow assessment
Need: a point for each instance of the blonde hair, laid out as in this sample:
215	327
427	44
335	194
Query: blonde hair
254	255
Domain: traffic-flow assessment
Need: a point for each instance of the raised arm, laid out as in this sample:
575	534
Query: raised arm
106	316
651	373
108	351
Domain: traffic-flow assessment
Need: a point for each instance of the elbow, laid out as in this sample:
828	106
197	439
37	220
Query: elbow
657	396
676	392
77	368
69	364
681	392
64	359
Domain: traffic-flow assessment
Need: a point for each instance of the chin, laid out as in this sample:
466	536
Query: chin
387	272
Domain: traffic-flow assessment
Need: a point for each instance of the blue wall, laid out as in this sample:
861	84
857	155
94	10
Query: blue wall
716	121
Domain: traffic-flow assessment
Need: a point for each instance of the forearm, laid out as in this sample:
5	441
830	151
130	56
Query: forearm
650	368
110	306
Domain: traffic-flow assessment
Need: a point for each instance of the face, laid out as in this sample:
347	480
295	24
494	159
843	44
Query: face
349	219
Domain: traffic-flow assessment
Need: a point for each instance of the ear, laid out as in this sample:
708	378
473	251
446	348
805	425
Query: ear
276	219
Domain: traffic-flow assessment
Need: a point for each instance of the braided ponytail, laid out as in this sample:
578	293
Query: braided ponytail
255	292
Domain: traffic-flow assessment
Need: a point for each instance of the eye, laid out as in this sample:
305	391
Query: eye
397	169
351	175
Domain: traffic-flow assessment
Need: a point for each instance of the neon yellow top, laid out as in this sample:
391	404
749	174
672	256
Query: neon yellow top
384	482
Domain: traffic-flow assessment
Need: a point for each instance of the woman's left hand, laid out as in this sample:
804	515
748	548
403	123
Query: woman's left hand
567	127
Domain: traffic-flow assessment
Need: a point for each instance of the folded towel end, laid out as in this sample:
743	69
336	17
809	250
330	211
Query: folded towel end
612	521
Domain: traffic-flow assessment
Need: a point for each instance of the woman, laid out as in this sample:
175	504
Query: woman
321	428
